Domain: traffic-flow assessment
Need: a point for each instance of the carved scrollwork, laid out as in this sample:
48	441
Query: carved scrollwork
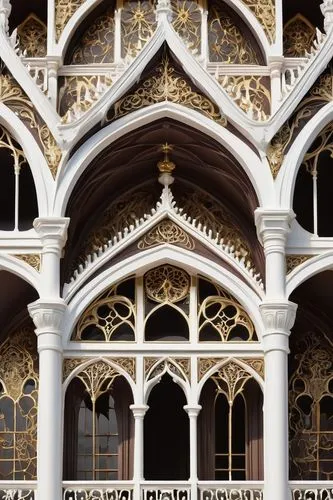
258	365
33	260
205	364
227	43
64	10
230	379
138	23
264	10
97	378
251	93
166	232
186	20
292	261
298	35
7	142
149	363
128	364
167	284
180	367
32	37
323	143
166	83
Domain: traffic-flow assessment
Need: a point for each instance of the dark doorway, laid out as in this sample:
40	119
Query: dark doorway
166	431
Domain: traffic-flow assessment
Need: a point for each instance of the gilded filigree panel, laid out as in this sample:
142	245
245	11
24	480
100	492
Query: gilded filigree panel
298	35
166	232
7	142
179	366
186	20
319	95
64	10
264	10
251	93
166	83
128	364
96	46
138	23
32	37
18	406
230	379
77	94
167	284
292	261
227	42
15	98
32	259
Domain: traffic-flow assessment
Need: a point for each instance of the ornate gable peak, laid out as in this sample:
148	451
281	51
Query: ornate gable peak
165	208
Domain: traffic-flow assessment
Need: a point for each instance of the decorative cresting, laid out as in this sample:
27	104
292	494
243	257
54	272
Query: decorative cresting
15	98
166	83
311	408
264	10
251	93
320	94
293	261
178	366
96	46
77	94
298	36
221	318
110	317
166	232
138	23
186	20
32	259
206	364
167	284
18	406
32	37
64	9
226	41
127	363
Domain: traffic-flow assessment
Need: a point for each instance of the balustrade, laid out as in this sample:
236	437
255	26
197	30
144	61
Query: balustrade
15	490
231	491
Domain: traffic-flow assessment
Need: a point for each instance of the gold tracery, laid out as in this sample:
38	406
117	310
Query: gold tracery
167	284
32	37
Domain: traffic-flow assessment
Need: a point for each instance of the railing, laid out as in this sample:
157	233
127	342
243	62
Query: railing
97	490
158	490
310	490
18	490
247	490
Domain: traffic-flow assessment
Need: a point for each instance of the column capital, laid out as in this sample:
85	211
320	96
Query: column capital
273	224
52	229
47	316
276	63
192	410
278	317
139	411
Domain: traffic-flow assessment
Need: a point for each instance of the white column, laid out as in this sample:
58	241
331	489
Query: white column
47	317
278	316
47	314
139	411
193	412
52	79
276	68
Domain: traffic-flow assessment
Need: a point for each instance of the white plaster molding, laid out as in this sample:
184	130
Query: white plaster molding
183	384
316	265
257	170
44	184
21	269
52	231
47	315
155	256
278	317
286	179
273	227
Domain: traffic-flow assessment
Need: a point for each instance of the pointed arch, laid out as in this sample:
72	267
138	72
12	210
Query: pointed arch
257	171
286	178
308	269
40	171
154	257
150	384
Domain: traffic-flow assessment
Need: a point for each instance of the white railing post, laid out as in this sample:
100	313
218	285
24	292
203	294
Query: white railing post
193	412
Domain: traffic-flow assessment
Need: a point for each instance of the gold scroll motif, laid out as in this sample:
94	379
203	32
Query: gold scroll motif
138	23
15	98
226	41
167	284
258	365
251	93
310	407
323	143
128	364
320	94
230	379
186	20
78	94
18	406
32	37
166	232
166	83
172	365
149	363
206	364
264	10
211	214
298	35
7	142
96	46
64	10
32	259
219	315
97	378
293	261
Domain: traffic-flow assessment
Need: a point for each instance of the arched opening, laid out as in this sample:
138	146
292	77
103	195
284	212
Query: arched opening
99	430
311	382
166	433
230	427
